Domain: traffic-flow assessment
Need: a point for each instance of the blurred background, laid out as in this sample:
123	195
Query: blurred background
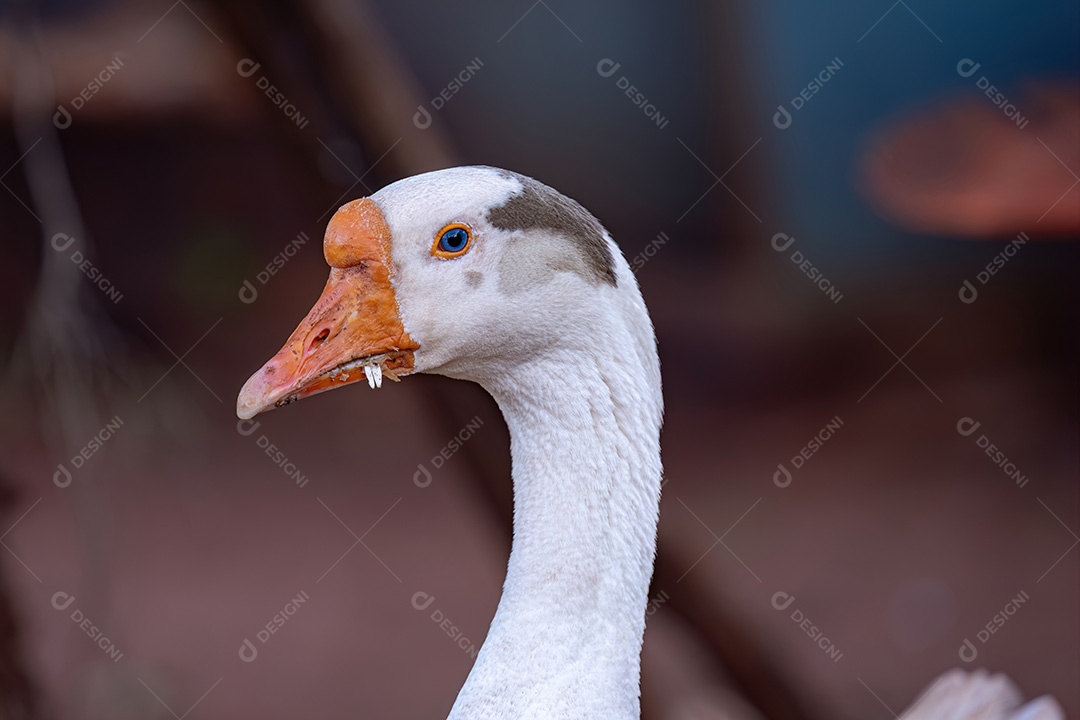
854	224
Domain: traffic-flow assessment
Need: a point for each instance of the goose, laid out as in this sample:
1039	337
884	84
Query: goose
486	275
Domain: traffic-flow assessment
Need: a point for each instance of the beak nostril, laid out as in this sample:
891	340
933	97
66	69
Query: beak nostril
318	339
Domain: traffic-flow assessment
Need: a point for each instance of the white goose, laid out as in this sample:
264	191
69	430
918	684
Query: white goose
486	275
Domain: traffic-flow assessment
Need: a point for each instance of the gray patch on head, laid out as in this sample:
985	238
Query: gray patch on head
539	207
531	259
473	279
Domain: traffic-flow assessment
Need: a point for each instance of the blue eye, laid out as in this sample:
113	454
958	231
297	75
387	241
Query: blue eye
452	242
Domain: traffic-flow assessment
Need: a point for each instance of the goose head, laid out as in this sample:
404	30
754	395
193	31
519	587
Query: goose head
485	275
466	272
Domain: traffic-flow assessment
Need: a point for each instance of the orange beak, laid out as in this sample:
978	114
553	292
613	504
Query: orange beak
353	332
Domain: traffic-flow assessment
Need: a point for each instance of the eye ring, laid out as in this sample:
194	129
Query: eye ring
453	241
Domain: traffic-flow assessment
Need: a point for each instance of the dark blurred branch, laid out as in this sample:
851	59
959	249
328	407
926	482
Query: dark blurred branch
18	697
756	674
60	355
380	93
333	60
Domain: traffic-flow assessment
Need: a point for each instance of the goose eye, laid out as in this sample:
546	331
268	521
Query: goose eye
452	241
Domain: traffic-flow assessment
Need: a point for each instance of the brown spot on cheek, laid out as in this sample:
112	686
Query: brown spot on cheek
474	279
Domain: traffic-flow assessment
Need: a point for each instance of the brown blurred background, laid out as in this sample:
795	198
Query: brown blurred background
835	220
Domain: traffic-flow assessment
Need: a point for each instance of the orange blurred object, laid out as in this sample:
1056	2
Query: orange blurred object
967	168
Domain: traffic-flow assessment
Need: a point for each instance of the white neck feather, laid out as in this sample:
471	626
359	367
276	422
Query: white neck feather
566	638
